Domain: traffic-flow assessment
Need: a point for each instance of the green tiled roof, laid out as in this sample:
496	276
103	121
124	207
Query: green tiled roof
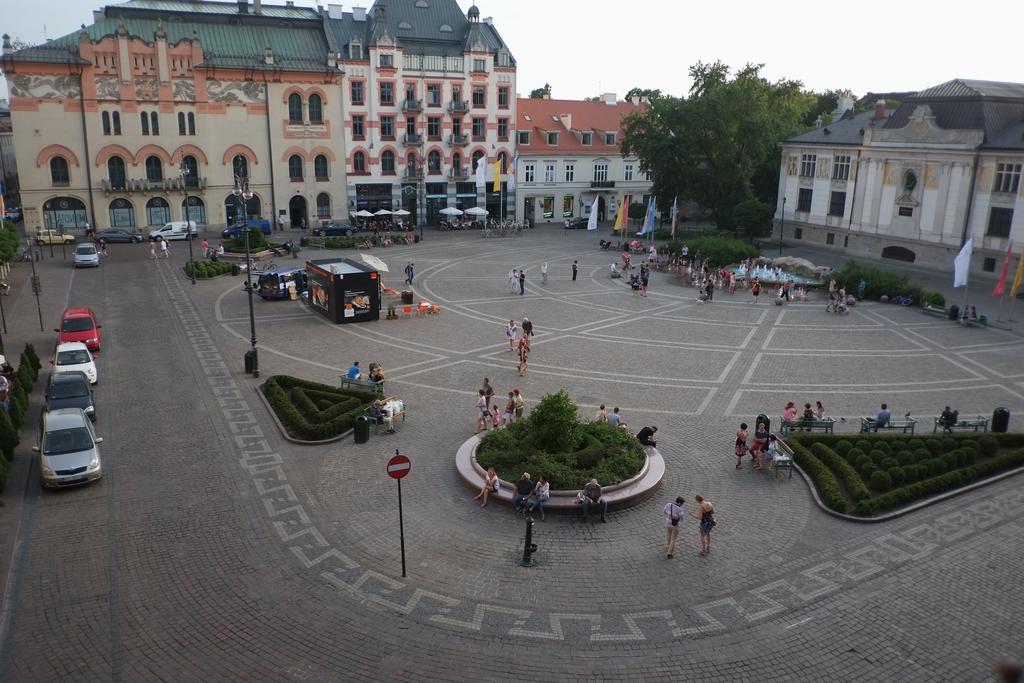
218	8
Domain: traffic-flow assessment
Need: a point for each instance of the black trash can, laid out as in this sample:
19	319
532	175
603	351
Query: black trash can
406	297
250	361
415	239
1000	420
362	429
765	419
954	312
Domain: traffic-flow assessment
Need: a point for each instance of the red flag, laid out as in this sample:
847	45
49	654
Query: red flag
998	291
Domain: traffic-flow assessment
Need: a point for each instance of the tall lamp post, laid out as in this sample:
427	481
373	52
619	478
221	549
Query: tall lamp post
242	195
782	224
183	171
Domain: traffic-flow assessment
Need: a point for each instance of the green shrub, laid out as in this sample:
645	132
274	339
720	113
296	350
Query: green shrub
824	481
290	399
905	457
719	248
896	476
880	481
30	350
842	447
922	454
24	378
851	480
877	281
854	454
930	296
888	463
553	424
935	446
257	242
877	456
862	462
988	446
18	411
8	436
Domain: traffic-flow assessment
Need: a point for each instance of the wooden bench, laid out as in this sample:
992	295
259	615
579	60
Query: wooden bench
783	459
824	425
361	384
905	425
394	418
975	424
316	242
935	310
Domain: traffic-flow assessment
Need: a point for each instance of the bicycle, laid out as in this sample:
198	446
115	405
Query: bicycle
902	300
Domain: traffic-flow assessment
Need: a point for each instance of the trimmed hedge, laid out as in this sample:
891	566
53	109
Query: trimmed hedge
851	480
331	242
824	481
208	269
297	404
719	248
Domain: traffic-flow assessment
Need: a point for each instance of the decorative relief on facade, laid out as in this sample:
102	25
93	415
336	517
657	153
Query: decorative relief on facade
889	173
791	166
985	178
184	90
245	92
921	128
909	185
147	89
106	88
931	175
824	168
44	87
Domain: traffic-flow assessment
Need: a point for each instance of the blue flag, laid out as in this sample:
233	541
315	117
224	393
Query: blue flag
648	219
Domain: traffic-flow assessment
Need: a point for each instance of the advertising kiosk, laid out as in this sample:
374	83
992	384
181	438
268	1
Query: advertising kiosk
343	290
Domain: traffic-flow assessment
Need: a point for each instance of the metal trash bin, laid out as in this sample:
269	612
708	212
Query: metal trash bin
766	420
1000	420
362	429
250	361
415	239
954	312
406	297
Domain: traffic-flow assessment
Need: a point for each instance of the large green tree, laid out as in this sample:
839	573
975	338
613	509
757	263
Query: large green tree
541	93
718	146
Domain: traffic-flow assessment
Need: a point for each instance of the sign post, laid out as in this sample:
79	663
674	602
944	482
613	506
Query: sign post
398	467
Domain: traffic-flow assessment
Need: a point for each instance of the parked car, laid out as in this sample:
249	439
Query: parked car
86	256
579	223
112	235
14	214
70	390
75	357
68	450
253	224
175	230
79	325
334	229
53	237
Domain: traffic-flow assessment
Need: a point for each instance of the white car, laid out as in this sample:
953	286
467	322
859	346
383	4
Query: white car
86	256
69	452
175	230
75	357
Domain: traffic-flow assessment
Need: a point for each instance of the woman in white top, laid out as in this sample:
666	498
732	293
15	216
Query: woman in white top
490	485
673	516
540	495
482	413
510	332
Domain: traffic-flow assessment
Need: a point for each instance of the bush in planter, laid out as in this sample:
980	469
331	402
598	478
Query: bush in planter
553	424
880	481
24	378
896	476
30	352
842	447
851	480
8	436
824	481
988	446
931	297
280	392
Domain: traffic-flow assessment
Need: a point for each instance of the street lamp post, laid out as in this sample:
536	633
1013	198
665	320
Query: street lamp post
242	195
782	224
183	170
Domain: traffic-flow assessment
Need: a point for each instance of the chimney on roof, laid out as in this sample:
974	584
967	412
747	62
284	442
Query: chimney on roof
358	14
268	56
609	98
880	109
257	7
489	21
243	6
334	12
289	3
566	120
97	15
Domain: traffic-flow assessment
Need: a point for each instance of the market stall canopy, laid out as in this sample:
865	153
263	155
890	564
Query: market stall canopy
363	213
476	211
375	262
402	212
450	211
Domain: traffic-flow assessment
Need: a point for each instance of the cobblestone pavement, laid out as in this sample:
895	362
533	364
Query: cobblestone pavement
214	549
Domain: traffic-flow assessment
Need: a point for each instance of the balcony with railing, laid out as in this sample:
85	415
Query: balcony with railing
413	173
412	139
412	106
143	185
602	184
459	106
459	173
458	140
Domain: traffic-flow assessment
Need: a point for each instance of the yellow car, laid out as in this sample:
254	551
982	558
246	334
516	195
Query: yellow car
53	237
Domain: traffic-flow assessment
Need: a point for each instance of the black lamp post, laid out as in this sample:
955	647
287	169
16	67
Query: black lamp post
242	195
782	224
183	170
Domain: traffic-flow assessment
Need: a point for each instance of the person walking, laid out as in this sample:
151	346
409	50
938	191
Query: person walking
408	273
544	273
165	249
206	248
488	391
152	251
755	288
527	327
510	332
709	289
520	404
513	279
509	413
524	349
673	516
483	414
645	276
705	512
741	444
575	269
522	282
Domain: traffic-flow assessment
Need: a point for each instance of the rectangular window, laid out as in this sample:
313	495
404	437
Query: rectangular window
808	162
803	201
549	173
830	239
523	137
456	126
434	127
154	123
191	123
600	173
837	204
503	98
433	95
479	64
548	207
567	204
479	96
905	211
841	168
628	175
503	129
387	94
999	221
358	128
479	128
587	138
410	125
387	61
553	139
528	173
609	138
1007	178
387	127
144	119
356	89
181	123
570	173
988	264
798	233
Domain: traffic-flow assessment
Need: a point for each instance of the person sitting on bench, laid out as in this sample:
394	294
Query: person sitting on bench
591	495
378	415
614	271
605	244
354	371
884	415
948	419
646	436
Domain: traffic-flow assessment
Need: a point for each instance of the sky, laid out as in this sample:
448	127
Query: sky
583	48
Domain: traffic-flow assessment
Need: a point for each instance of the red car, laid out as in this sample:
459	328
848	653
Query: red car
79	325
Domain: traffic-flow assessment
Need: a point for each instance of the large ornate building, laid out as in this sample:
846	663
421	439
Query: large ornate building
914	182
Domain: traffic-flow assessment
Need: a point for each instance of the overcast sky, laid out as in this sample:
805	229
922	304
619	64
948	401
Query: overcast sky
583	47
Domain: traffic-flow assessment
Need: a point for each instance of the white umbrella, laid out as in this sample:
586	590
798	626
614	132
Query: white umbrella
378	264
382	212
402	212
476	211
451	211
363	213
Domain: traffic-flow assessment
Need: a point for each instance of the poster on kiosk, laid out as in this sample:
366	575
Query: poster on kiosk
343	290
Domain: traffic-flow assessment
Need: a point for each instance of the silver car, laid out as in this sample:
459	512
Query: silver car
86	256
69	452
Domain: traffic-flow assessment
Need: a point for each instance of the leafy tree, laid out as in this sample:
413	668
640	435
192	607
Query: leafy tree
553	424
8	436
541	93
752	217
637	93
718	145
8	242
637	211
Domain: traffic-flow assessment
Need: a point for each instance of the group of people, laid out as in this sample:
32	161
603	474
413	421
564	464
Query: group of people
211	253
160	248
488	416
530	495
613	418
517	280
791	413
638	282
522	343
762	449
7	380
376	373
674	515
968	316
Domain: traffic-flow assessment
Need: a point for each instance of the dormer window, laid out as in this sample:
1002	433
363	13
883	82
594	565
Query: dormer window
445	28
387	61
587	138
609	138
553	139
404	26
503	58
355	49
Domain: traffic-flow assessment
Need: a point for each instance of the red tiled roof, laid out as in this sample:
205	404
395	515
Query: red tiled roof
535	115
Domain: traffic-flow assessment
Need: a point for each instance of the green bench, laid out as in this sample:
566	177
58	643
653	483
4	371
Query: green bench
826	425
783	459
905	425
361	384
976	424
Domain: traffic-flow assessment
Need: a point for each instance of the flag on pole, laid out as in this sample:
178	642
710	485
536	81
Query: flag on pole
648	219
674	200
510	173
1018	276
481	173
998	291
496	187
618	215
592	221
962	264
626	201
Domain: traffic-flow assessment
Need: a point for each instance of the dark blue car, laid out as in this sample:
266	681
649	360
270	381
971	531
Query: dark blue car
235	231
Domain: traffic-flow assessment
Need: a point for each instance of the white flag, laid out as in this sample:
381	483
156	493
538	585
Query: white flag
962	264
592	221
481	173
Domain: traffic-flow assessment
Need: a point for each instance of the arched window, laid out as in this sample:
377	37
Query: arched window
295	167
59	171
359	163
294	108
154	123
115	118
122	214
323	205
181	123
158	211
457	162
410	164
105	116
144	121
316	109
64	212
195	209
240	166
387	162
191	123
253	208
477	155
320	167
434	162
115	172
191	167
154	169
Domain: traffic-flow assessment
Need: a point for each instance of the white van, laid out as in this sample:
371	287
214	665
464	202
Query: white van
175	230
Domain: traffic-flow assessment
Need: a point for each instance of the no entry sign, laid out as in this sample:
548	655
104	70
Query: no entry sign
399	466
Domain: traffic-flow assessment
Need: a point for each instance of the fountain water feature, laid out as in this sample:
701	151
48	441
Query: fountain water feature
772	274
